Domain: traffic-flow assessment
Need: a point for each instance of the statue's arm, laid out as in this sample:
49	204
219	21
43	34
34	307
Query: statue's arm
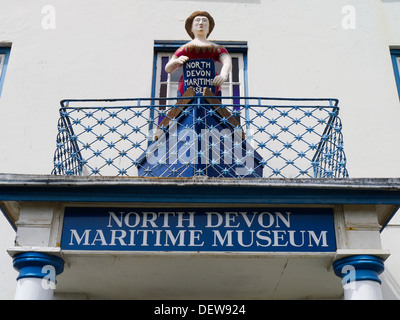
226	62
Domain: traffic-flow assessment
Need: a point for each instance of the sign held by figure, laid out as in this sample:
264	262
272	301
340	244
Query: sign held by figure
199	74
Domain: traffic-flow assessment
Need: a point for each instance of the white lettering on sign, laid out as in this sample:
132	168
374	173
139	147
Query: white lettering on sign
199	73
210	229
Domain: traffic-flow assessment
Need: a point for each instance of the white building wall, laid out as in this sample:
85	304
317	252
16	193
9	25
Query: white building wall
104	49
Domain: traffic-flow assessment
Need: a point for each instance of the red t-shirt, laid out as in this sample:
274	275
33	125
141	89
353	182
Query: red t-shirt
213	51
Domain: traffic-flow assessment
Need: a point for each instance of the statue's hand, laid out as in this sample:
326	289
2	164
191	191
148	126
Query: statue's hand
182	60
175	63
220	79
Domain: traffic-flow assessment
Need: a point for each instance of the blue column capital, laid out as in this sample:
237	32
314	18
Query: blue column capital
30	264
366	267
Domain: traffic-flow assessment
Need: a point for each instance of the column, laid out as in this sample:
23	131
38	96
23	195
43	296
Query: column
359	275
37	275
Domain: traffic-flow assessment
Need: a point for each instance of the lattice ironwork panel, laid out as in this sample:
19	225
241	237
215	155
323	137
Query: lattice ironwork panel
212	136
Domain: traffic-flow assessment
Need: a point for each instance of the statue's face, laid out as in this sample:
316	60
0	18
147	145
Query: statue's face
200	25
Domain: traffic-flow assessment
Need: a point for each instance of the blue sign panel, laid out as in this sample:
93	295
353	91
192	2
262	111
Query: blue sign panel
199	74
199	229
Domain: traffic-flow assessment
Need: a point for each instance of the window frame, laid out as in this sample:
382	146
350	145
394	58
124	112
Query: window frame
172	45
3	68
395	55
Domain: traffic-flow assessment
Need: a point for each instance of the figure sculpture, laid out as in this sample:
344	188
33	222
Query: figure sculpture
176	150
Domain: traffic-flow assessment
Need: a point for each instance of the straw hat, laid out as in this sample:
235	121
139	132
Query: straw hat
189	22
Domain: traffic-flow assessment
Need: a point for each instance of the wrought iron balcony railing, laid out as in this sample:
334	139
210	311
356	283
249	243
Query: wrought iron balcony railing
190	136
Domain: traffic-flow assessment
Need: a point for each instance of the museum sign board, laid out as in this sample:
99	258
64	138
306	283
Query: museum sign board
199	229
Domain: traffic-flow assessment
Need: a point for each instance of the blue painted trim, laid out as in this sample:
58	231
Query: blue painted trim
207	193
30	264
5	51
246	76
246	92
396	54
153	90
366	267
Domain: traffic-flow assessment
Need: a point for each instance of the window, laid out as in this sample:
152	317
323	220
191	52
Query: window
166	85
4	55
396	67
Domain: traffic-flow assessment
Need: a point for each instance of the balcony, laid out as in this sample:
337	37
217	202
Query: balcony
222	137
